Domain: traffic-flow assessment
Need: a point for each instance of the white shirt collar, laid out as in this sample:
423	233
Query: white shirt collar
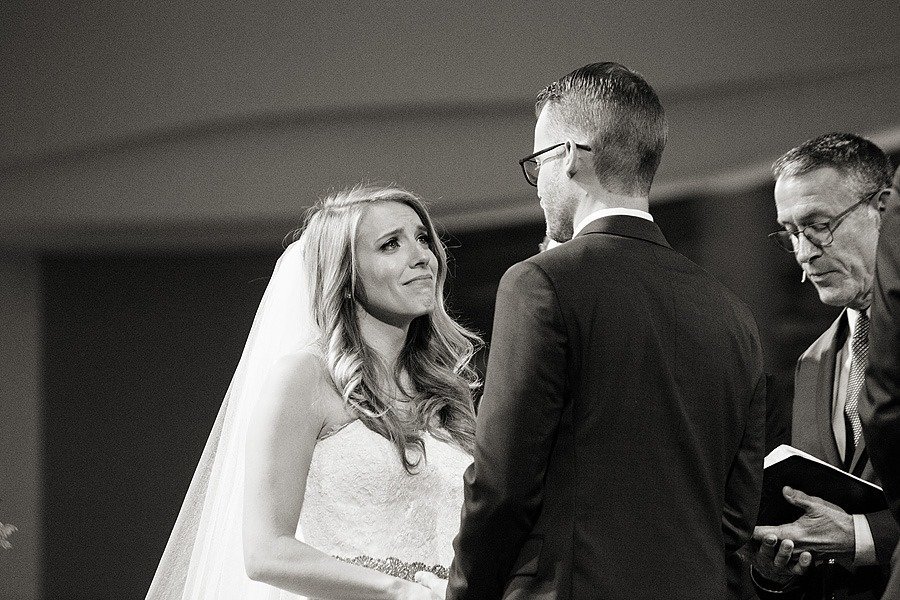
852	319
606	212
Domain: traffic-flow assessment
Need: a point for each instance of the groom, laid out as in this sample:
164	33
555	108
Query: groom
619	442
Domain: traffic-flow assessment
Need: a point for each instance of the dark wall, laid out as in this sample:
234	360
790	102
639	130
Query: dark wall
139	351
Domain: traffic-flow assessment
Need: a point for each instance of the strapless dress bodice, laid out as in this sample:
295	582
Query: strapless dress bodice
361	502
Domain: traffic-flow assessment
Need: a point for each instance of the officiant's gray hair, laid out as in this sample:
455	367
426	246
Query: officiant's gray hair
616	112
438	351
864	164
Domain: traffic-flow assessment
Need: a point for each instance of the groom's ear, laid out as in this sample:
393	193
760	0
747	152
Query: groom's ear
570	160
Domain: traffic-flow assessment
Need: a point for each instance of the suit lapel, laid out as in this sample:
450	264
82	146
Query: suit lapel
817	375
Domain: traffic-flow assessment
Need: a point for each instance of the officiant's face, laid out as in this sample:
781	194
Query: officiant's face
842	271
554	186
395	265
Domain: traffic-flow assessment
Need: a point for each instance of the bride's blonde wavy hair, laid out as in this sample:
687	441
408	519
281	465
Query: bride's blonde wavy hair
436	356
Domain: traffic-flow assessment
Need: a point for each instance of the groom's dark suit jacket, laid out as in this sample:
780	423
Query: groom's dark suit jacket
619	442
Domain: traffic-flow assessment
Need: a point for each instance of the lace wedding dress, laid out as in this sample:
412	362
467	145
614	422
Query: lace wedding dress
362	506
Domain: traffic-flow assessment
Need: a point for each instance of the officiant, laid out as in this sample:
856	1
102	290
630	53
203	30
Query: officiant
828	194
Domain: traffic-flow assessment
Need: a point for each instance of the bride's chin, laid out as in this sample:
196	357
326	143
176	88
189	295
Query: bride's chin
425	306
430	305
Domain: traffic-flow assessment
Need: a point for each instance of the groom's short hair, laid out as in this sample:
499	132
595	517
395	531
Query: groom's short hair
616	112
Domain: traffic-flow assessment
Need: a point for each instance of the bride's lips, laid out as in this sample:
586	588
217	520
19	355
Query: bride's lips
426	277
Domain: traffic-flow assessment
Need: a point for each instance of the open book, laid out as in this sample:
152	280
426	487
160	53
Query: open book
786	465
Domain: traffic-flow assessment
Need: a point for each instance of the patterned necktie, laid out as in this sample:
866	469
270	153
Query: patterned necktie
859	351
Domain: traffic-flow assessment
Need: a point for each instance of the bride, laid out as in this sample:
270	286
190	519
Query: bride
334	468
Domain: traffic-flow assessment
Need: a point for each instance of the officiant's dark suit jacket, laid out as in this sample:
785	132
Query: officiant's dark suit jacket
811	431
619	441
880	410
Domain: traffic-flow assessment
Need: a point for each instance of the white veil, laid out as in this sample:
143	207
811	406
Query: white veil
204	556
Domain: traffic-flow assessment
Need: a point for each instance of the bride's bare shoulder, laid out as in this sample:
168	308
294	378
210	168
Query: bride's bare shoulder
301	378
300	370
296	402
304	366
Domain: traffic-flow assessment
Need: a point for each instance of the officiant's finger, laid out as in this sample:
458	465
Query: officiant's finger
768	547
784	554
764	532
799	499
802	564
807	502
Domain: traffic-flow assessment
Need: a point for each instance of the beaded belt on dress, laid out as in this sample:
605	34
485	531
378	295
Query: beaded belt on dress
396	567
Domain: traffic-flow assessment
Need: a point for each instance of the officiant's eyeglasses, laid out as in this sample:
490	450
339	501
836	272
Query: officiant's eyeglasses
530	167
820	235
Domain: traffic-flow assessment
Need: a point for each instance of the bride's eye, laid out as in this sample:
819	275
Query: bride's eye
391	244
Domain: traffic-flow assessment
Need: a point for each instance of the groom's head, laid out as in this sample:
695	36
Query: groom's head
611	130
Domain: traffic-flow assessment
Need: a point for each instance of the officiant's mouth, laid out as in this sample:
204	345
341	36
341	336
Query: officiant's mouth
820	276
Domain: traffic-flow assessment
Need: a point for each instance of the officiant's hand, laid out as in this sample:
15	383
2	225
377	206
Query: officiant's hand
824	528
776	564
437	585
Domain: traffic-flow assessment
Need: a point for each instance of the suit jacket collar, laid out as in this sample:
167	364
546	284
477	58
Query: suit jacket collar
626	226
825	347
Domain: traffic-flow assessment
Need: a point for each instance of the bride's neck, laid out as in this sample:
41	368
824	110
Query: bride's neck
385	339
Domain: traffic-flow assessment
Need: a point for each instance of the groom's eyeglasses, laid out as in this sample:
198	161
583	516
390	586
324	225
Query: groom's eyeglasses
531	167
820	235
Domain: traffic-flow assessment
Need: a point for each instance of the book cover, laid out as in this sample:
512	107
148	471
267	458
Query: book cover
787	465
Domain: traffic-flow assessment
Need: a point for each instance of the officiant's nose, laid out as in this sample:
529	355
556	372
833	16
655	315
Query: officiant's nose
806	250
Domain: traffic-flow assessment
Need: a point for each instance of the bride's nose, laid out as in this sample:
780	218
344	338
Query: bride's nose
420	256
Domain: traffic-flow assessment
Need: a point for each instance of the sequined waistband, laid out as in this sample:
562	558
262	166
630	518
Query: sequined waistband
396	567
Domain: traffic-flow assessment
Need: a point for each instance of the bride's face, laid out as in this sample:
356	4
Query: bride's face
396	268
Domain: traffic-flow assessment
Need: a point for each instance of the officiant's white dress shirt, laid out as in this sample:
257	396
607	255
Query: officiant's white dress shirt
865	543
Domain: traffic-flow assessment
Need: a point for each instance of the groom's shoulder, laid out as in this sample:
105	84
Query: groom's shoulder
573	254
534	272
546	267
550	260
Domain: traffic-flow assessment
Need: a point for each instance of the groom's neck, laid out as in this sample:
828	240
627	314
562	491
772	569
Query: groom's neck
603	199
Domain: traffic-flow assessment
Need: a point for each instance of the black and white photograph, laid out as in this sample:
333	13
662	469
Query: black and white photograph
449	301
